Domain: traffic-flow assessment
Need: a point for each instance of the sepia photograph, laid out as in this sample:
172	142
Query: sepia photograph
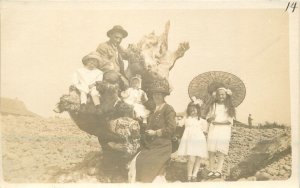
107	93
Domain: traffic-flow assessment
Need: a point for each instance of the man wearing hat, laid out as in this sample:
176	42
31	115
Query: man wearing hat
112	54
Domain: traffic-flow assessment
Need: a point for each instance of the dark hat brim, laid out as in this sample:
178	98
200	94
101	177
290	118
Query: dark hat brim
119	30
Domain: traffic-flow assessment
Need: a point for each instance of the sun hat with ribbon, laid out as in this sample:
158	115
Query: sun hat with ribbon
196	101
92	55
206	84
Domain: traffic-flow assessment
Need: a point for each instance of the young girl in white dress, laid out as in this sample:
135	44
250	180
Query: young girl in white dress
193	142
220	119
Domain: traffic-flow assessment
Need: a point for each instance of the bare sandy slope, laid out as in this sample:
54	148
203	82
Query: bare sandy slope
55	150
34	148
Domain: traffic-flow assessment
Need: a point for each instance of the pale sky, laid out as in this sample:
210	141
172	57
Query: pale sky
40	49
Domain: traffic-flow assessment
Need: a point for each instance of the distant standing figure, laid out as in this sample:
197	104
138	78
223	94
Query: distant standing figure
250	120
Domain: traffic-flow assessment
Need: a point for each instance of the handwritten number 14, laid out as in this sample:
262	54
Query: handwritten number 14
292	5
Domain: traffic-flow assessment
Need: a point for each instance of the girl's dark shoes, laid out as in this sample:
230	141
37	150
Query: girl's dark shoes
98	110
210	175
194	179
188	179
217	175
214	175
191	179
83	108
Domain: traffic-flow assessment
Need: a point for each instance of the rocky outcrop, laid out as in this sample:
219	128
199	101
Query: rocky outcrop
264	153
14	107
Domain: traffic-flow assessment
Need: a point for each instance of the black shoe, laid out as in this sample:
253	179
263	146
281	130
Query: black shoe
217	175
98	110
211	175
188	179
194	179
82	108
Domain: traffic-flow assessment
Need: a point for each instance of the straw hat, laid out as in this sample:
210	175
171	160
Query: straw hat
203	86
117	28
92	55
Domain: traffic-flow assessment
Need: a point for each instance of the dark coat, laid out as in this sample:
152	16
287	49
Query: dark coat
111	57
153	157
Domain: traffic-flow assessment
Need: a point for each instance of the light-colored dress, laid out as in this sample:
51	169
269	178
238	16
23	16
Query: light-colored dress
219	135
193	141
84	77
136	98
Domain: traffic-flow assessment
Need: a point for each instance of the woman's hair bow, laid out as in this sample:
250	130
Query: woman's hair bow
227	91
197	101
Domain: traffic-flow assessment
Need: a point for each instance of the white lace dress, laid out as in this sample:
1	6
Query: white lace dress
193	141
218	138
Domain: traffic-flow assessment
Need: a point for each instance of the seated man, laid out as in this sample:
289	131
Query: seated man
112	54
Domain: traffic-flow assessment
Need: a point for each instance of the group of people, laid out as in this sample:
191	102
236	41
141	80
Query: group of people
85	79
209	137
107	57
205	135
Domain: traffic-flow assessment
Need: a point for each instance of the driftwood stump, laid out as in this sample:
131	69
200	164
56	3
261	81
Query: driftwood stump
264	153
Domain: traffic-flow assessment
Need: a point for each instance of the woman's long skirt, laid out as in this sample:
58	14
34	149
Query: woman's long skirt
152	160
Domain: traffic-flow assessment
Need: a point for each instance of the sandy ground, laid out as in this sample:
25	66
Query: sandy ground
55	150
34	148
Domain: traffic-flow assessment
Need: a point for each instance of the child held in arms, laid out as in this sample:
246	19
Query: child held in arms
136	97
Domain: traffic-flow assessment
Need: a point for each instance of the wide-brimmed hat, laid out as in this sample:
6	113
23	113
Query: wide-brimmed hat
92	55
160	86
119	29
204	85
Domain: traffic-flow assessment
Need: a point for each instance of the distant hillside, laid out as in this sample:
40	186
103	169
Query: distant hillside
14	107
